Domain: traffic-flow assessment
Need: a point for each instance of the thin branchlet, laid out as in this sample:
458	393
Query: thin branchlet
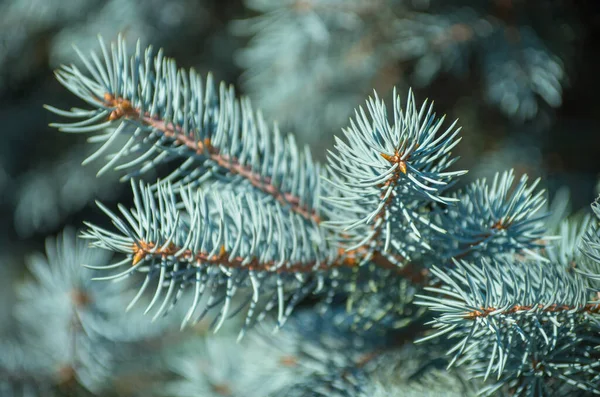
123	109
216	241
483	312
385	171
142	250
169	113
520	320
491	218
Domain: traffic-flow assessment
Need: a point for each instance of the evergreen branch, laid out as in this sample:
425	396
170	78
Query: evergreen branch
516	319
309	63
384	172
218	241
591	241
208	368
491	219
589	266
168	113
313	355
74	311
483	312
565	251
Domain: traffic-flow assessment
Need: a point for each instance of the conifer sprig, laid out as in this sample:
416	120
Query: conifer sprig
566	250
386	171
591	249
220	243
591	241
169	113
521	321
494	218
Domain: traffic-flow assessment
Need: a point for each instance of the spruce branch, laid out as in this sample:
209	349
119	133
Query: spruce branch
72	346
590	247
74	337
313	355
591	241
380	184
488	219
529	323
566	250
22	373
221	244
521	72
383	175
309	63
168	113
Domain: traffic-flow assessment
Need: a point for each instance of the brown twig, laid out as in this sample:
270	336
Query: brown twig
142	249
486	311
124	109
